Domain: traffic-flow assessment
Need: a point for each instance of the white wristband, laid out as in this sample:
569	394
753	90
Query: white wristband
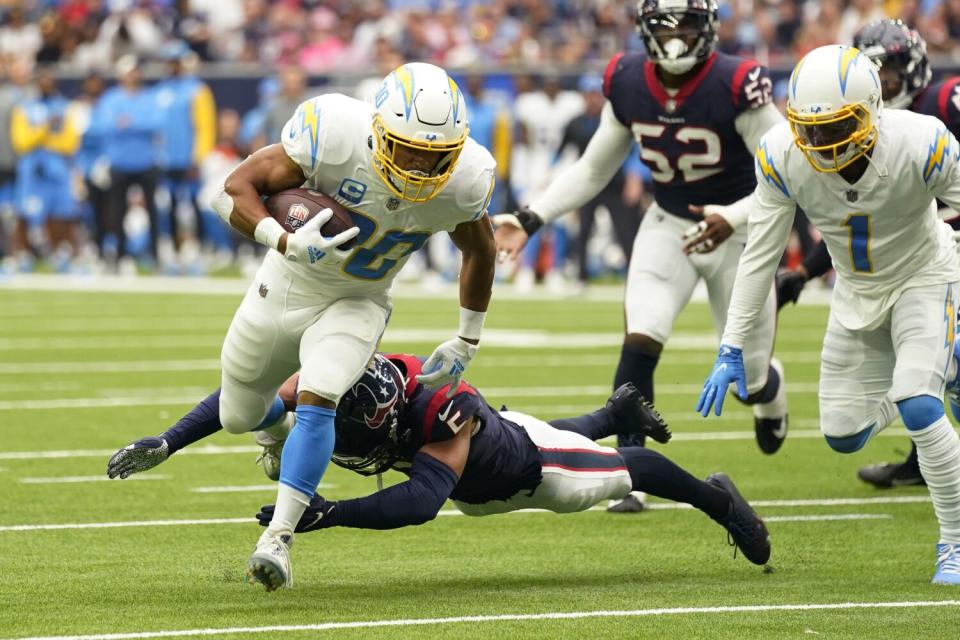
471	323
268	232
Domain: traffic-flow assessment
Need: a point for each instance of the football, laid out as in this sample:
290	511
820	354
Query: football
293	207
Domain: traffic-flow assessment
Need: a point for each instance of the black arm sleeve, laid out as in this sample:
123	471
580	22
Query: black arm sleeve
818	262
412	502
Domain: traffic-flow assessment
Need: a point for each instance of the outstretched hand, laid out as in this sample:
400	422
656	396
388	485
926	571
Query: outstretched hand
726	370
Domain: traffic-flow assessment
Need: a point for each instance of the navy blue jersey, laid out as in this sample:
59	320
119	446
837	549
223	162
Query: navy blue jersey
502	462
941	100
689	140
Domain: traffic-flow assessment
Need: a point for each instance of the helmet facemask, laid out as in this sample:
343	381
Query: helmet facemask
832	141
414	169
678	39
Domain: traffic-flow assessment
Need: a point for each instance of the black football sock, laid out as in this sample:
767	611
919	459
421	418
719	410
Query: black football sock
769	391
657	475
594	426
912	462
203	420
635	366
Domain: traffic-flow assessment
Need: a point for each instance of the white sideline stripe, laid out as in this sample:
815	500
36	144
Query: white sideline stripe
247	487
99	453
505	617
98	478
492	393
666	506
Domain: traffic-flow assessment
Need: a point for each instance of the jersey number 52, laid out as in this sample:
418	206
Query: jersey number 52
693	165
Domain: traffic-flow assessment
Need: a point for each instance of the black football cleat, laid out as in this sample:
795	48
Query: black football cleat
770	432
746	530
891	474
633	415
633	502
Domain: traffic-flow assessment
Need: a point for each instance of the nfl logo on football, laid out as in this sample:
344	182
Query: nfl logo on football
297	215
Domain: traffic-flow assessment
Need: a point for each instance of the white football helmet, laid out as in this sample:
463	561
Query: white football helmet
834	105
419	130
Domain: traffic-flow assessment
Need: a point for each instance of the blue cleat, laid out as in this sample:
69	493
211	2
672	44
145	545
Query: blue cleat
953	387
948	564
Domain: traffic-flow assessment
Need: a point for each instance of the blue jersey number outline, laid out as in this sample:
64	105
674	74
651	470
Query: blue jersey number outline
376	261
859	225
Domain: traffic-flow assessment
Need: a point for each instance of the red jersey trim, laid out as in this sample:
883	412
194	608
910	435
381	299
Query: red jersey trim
584	470
413	367
593	451
660	94
436	401
745	67
945	92
608	73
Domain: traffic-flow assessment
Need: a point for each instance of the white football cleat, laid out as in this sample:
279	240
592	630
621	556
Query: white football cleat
269	458
948	564
270	563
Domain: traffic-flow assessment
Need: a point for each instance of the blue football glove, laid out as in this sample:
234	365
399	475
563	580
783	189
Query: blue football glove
728	368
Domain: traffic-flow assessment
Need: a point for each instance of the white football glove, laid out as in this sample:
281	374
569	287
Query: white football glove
447	364
309	246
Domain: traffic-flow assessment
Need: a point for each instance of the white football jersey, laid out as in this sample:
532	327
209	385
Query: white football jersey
882	232
329	137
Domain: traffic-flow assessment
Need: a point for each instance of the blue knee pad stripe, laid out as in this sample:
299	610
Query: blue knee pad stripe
920	412
273	414
850	444
308	449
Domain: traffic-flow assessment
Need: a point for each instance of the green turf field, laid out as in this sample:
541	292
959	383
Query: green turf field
84	373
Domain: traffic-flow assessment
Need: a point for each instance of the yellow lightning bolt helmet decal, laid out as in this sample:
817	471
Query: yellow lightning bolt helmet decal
847	59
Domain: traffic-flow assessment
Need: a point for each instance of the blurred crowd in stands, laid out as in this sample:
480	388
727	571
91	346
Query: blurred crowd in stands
116	175
344	35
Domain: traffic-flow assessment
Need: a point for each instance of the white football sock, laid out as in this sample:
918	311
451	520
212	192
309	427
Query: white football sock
887	412
938	448
276	432
290	506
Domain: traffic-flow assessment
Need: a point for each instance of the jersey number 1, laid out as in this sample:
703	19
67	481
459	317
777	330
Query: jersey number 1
859	225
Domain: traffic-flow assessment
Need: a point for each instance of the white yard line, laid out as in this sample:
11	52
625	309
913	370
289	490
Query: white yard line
829	518
247	487
455	512
97	478
152	396
702	436
506	617
99	453
113	366
531	361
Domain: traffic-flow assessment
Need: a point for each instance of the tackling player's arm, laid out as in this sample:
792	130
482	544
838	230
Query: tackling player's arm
571	188
436	469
